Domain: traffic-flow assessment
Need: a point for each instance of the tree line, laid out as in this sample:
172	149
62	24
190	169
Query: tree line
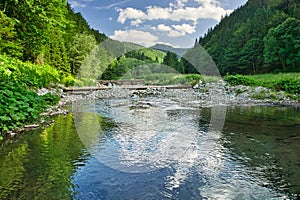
261	36
46	32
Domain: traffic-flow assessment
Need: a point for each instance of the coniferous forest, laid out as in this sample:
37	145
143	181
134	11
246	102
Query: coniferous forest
261	36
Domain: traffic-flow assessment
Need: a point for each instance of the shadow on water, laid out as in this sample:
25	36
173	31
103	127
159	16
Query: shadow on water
257	155
40	164
267	140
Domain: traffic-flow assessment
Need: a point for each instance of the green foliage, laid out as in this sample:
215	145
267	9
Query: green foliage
240	80
27	74
147	54
84	82
282	45
291	86
172	61
41	31
176	79
68	80
118	68
237	43
19	106
8	43
288	82
79	49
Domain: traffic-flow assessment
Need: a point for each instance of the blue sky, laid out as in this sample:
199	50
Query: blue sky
147	22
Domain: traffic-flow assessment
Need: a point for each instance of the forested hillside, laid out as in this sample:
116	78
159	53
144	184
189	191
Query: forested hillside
261	36
42	43
43	32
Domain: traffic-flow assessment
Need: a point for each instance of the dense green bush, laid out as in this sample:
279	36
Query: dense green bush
289	85
28	74
19	106
288	82
240	80
68	80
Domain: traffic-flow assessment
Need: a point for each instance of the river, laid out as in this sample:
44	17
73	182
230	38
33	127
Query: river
156	148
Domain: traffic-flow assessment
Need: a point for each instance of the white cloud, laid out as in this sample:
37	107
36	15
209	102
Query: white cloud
176	30
130	13
136	36
209	9
136	22
155	12
174	33
164	28
186	28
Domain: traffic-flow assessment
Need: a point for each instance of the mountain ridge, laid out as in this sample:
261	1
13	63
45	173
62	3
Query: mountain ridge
165	48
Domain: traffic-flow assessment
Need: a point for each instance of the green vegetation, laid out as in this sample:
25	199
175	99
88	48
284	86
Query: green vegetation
19	106
134	63
28	74
261	36
288	82
35	52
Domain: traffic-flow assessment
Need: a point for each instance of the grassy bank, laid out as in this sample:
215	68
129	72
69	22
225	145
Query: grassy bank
175	79
288	82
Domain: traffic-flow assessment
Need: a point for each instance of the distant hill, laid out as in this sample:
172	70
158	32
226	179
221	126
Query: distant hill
261	36
166	48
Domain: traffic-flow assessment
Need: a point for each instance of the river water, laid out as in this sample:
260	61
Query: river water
155	148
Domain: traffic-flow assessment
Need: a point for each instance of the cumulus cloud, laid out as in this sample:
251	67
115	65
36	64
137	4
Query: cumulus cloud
136	36
187	28
164	28
208	9
130	13
176	30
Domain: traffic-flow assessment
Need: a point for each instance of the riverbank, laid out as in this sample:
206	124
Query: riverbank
204	94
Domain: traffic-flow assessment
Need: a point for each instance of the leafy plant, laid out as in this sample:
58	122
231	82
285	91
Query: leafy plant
19	106
289	85
240	80
28	74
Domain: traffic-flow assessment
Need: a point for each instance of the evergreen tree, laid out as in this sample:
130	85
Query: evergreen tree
282	45
171	60
236	44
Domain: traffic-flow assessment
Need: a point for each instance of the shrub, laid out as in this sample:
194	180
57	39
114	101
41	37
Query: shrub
19	105
240	80
28	74
68	80
291	86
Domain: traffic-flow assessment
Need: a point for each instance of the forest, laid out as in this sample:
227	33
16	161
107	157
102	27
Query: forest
261	36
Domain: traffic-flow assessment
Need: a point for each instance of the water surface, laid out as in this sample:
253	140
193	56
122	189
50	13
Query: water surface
157	149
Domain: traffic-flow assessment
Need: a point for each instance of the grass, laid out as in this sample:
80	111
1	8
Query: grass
288	82
176	79
269	78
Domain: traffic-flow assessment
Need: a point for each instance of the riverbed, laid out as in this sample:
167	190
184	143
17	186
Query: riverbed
157	147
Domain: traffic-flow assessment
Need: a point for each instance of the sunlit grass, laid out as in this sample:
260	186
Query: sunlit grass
176	79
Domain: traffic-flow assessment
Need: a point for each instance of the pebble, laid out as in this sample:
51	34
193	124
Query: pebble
207	94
